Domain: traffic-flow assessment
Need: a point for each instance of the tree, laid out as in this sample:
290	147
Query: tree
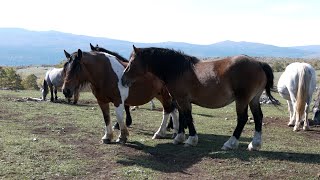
10	79
30	82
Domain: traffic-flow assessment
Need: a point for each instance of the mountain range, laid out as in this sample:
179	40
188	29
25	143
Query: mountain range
23	47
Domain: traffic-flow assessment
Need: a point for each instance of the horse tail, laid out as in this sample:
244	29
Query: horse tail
304	79
269	73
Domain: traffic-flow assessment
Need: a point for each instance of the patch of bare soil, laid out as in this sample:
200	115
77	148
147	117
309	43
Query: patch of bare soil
313	133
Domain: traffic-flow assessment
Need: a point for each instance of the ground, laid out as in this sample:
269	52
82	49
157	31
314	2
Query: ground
44	140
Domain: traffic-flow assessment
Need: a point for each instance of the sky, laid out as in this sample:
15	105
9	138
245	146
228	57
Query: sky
276	22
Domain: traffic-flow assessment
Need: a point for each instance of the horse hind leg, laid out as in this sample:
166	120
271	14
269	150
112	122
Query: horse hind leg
242	118
306	126
108	136
255	108
124	133
291	114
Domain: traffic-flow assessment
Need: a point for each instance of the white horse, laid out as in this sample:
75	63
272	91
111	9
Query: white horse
54	79
296	85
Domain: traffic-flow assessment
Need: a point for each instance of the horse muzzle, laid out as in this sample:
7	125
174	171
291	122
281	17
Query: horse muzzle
67	93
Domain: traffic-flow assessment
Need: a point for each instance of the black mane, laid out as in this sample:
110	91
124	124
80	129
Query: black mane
121	58
74	67
167	64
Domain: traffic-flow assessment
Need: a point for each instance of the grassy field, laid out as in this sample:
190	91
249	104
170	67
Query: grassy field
44	140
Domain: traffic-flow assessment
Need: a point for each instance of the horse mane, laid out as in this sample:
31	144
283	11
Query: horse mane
100	49
166	63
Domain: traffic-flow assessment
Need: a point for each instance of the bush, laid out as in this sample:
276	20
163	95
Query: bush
10	79
278	67
30	82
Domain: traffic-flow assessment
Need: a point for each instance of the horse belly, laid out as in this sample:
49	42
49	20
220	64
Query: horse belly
215	99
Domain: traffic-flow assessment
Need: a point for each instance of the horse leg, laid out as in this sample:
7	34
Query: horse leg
242	118
76	96
193	137
55	93
124	133
306	126
51	92
107	138
161	133
128	118
170	124
181	133
128	115
257	116
153	106
292	114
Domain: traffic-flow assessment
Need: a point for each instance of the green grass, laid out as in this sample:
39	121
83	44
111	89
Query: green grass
44	140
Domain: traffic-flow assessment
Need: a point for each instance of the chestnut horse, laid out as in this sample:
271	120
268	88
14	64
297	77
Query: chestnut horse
210	84
103	72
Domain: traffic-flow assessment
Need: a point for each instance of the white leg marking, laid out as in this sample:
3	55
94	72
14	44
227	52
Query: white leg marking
192	141
161	133
232	143
108	133
256	142
175	120
179	139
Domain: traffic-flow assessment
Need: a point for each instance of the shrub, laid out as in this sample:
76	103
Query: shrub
30	82
10	79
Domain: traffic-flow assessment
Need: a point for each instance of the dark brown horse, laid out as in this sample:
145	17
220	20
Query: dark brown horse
210	84
103	72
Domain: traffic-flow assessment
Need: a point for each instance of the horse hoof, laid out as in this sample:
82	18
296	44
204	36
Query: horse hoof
291	125
175	142
187	145
251	147
157	136
296	129
306	128
121	140
106	141
174	135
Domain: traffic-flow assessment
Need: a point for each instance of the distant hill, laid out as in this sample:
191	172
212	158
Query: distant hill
24	47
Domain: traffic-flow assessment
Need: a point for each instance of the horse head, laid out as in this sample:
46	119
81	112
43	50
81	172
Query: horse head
73	75
135	69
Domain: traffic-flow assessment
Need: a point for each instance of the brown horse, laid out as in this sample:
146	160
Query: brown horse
103	72
210	84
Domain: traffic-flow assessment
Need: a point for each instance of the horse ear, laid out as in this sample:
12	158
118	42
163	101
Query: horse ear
92	47
135	49
67	54
79	54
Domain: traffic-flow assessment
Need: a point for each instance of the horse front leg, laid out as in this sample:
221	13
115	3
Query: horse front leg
51	93
76	96
180	138
124	133
108	136
55	93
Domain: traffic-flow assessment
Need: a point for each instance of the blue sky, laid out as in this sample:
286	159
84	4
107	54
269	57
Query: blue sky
277	22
